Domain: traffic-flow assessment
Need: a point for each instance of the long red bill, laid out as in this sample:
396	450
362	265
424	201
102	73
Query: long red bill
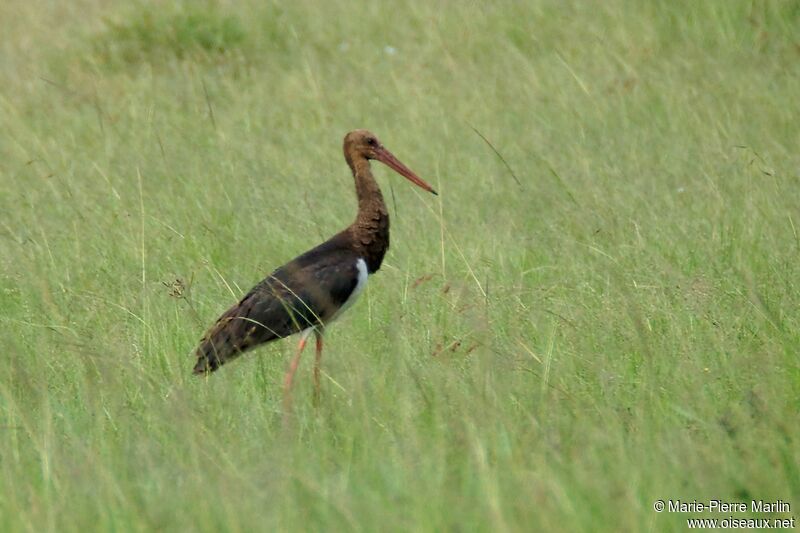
387	158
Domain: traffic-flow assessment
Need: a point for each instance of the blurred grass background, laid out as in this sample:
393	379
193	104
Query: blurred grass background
619	327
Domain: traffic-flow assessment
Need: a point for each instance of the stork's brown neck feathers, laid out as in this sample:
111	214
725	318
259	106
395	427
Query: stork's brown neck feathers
370	231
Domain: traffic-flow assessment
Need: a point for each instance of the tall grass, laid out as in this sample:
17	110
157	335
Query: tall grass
619	327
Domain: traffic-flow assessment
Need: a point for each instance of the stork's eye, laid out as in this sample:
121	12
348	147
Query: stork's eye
372	141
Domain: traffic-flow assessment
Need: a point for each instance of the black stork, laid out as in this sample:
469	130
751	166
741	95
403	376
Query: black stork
306	294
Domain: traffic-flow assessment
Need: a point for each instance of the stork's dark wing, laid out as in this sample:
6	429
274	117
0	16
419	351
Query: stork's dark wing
304	293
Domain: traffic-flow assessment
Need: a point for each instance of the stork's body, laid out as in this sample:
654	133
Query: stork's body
310	291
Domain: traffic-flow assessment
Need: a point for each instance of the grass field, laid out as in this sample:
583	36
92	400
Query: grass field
621	326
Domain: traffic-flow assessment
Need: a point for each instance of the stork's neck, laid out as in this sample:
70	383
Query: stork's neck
371	227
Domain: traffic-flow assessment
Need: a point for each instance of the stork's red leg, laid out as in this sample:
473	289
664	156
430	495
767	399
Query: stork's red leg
287	380
317	360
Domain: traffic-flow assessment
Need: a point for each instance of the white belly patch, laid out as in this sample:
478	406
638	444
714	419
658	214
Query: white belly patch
361	265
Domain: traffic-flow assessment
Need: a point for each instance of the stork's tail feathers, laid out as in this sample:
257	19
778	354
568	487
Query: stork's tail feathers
212	355
226	340
206	364
241	328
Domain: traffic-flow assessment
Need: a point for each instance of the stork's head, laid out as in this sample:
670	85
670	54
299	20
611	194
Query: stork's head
363	144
